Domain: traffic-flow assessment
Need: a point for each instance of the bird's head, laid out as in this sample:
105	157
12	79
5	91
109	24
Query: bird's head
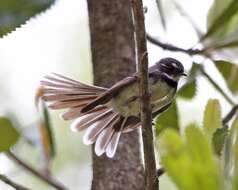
171	67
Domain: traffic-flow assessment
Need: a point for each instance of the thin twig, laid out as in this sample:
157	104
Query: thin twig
174	48
160	172
230	115
219	89
151	179
11	183
48	179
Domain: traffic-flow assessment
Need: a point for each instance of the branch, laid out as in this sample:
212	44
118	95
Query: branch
16	186
218	88
48	179
230	115
175	48
147	133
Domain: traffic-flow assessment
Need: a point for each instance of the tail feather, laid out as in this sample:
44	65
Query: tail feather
85	121
103	125
112	146
65	97
69	103
75	112
95	129
105	137
54	91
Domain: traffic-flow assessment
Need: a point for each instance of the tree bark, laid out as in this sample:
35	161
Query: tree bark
113	56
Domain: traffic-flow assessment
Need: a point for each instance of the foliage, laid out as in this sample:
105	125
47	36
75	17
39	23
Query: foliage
189	91
8	134
14	13
212	116
230	73
193	161
168	120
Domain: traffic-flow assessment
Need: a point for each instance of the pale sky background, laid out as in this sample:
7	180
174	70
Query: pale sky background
58	41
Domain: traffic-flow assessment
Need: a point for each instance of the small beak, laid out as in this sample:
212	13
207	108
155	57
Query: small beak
184	74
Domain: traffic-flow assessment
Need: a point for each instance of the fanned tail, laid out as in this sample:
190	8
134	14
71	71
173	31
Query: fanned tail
102	124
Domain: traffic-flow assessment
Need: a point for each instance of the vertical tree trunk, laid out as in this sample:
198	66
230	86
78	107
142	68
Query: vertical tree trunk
113	56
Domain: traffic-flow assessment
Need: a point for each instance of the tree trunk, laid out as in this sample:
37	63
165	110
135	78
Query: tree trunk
113	56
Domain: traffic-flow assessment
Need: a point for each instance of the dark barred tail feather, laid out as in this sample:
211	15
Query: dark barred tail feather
102	124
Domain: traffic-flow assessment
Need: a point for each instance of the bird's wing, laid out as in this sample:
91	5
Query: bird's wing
110	93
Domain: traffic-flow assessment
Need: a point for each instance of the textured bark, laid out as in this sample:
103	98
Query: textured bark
113	56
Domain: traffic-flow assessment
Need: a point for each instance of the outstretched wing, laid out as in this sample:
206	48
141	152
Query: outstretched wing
110	93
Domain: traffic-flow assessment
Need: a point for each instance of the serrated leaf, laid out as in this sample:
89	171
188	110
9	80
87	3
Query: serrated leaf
8	134
169	119
222	19
218	140
212	116
189	91
230	73
14	13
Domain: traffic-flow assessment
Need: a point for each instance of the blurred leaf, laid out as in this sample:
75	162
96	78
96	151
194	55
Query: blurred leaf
230	44
190	164
222	18
170	142
228	147
8	134
230	73
169	119
235	154
218	140
212	116
161	13
13	13
188	91
46	134
198	145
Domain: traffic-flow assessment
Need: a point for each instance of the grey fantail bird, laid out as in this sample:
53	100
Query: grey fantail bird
105	113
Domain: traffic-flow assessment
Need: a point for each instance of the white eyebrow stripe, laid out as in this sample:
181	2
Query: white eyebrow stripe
175	65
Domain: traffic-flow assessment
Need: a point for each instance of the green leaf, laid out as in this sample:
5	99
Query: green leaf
212	116
205	168
174	159
188	91
198	145
218	140
190	163
222	18
170	142
230	73
169	119
235	154
8	134
14	13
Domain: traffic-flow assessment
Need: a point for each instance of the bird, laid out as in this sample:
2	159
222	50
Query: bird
106	113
